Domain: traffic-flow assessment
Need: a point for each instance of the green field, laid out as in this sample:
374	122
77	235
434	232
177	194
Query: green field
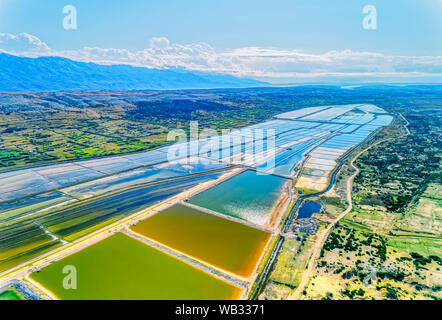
232	246
21	239
11	294
122	268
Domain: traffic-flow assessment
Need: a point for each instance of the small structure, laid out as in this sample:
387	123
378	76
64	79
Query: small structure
309	225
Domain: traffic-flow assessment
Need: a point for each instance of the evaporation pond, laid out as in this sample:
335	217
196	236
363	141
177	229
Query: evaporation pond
122	268
308	208
11	294
229	245
250	196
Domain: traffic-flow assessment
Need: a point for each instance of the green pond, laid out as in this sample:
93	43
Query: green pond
249	196
11	294
122	268
229	245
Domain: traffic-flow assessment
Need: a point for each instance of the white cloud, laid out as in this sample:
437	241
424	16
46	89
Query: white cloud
22	42
268	64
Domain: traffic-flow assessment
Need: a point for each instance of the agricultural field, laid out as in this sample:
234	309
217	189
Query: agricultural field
26	236
363	265
23	242
123	268
226	244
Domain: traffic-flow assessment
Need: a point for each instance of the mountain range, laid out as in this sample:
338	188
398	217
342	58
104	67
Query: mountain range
57	73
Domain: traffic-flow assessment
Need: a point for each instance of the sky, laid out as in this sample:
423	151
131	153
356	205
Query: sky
280	41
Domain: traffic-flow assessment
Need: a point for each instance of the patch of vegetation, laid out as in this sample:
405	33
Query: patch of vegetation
353	293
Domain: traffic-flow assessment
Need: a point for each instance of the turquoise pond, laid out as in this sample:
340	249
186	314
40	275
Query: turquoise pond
249	196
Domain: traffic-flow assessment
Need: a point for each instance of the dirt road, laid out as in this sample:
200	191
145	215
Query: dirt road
309	272
322	236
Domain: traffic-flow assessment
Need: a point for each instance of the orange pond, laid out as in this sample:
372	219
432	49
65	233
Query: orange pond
223	243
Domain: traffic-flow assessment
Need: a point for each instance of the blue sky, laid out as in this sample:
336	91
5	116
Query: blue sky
412	27
405	27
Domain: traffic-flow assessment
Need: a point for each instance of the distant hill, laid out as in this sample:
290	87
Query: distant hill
56	73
